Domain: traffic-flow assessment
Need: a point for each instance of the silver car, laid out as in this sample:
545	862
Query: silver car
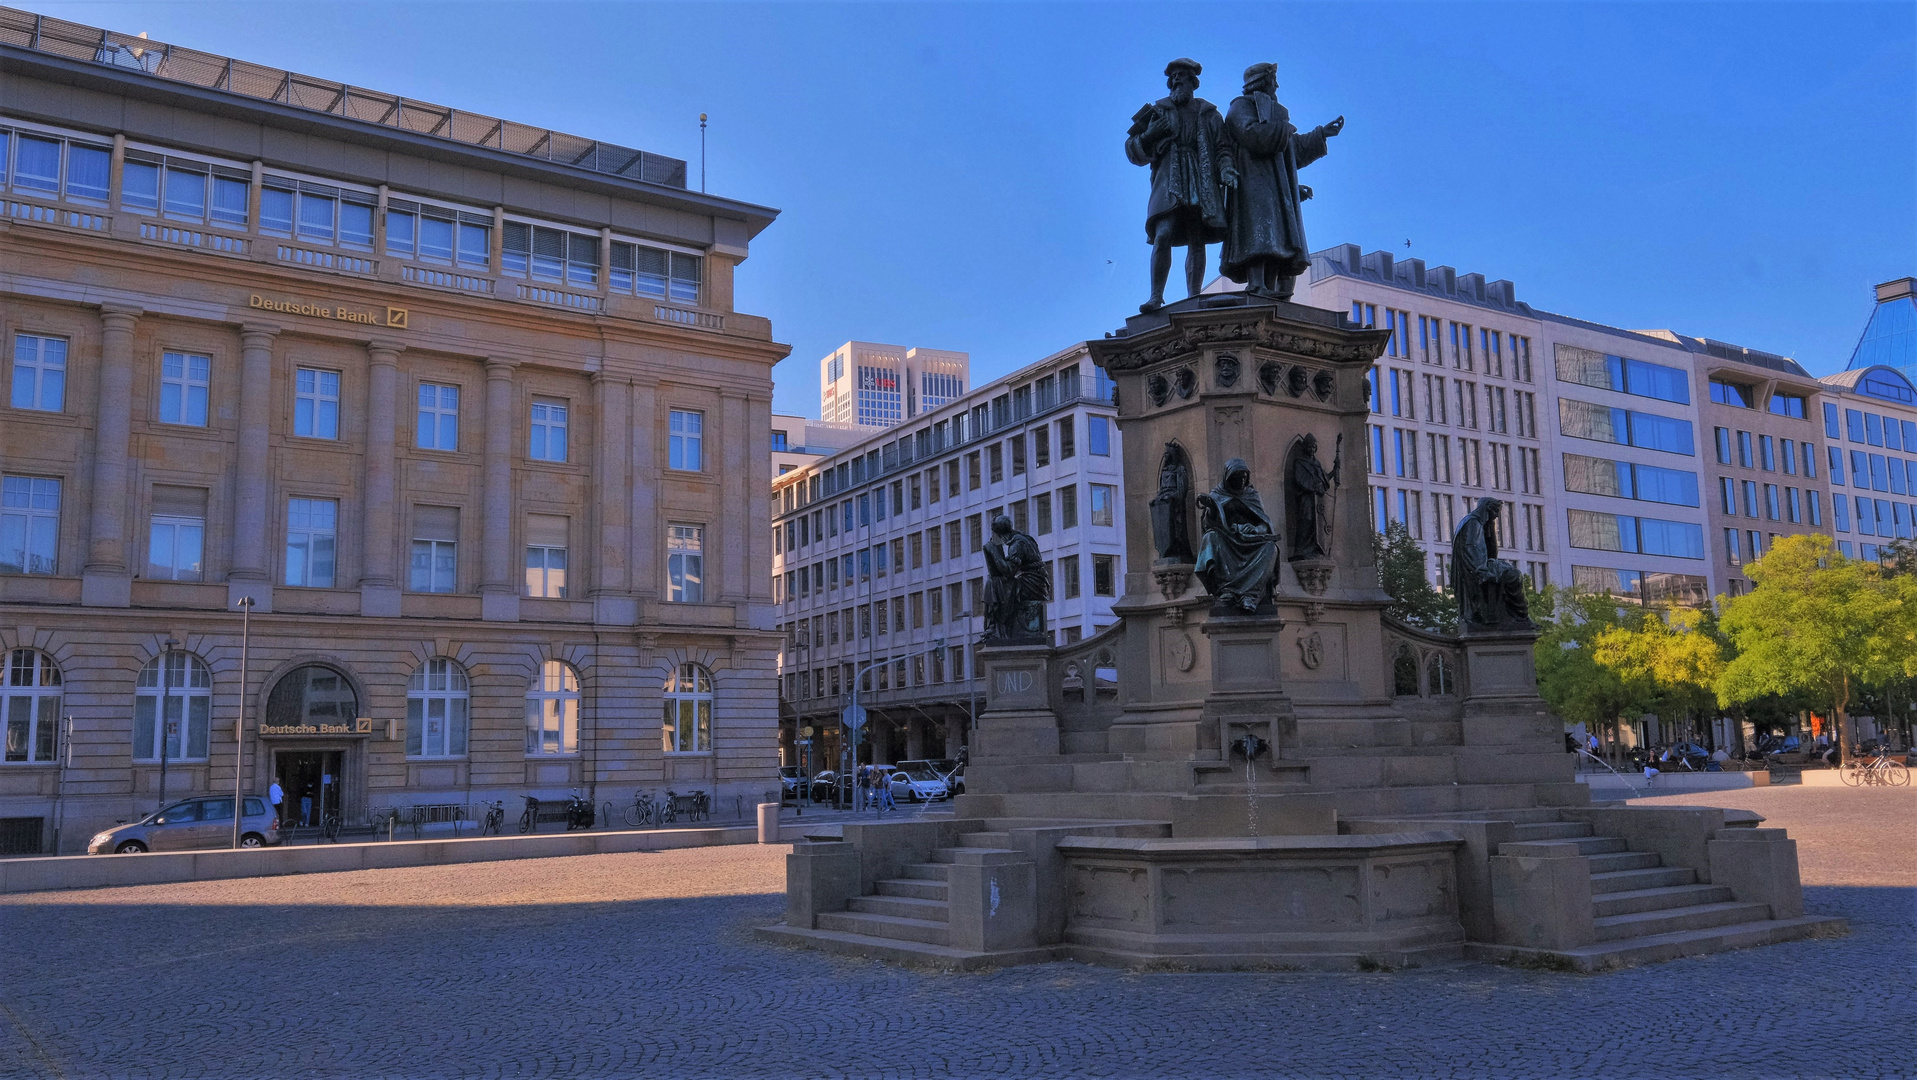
192	823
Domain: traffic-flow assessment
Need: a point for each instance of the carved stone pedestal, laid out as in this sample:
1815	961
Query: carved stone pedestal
1018	723
1503	714
1247	694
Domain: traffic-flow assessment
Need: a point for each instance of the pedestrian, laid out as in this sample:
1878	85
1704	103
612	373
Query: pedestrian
865	786
306	808
1591	743
276	795
886	802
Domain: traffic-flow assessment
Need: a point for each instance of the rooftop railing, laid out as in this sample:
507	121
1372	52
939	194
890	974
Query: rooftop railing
77	41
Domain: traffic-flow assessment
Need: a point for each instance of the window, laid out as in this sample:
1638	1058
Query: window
29	524
1853	425
547	441
32	694
1067	433
1723	445
1788	405
176	537
552	710
1624	375
1648	536
437	710
1104	575
1727	491
316	403
546	556
183	388
1583	420
1767	453
1816	506
685	564
1830	421
186	685
1068	573
1068	506
685	450
438	426
663	275
996	455
688	721
1735	395
39	372
1098	436
435	562
1733	553
1771	507
1103	496
311	532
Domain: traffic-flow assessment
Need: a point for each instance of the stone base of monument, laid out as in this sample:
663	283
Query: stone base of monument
1315	785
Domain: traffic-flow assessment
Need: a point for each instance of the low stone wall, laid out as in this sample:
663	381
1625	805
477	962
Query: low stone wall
98	871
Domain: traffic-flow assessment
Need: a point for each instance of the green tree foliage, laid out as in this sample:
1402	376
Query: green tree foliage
1818	621
1571	678
1401	570
1672	654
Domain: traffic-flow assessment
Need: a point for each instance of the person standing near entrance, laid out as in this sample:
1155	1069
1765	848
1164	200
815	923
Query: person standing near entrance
306	808
276	795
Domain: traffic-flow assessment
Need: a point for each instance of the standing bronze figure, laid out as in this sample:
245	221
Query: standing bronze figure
1016	587
1264	238
1490	590
1238	558
1308	490
1182	138
1171	507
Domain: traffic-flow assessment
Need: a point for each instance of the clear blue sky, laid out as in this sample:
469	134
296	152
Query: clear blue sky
953	175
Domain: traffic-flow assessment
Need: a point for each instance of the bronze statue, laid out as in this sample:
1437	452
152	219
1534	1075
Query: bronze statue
1183	139
1308	491
1264	229
1171	507
1238	559
1490	590
1016	586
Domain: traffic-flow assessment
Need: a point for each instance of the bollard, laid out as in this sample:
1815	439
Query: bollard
768	823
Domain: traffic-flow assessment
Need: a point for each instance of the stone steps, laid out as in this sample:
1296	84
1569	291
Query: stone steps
1676	920
885	927
1659	899
1654	877
1656	948
1620	861
990	840
917	888
925	872
1553	830
901	907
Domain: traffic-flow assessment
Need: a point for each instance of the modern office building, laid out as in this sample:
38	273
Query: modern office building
1594	437
799	440
1869	414
463	407
877	386
877	565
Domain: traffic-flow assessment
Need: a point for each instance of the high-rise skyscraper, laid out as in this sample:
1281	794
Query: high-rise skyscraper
874	385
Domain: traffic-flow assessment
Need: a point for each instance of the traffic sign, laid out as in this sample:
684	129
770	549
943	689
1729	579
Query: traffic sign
853	717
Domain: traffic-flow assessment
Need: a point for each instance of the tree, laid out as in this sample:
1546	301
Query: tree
1401	570
1571	680
1818	621
1672	652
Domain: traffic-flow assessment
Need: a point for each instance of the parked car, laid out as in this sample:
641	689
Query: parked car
192	823
947	769
822	786
917	784
791	778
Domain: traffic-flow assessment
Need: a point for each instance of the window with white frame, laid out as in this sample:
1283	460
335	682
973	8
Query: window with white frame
312	531
685	564
316	403
547	441
1103	497
688	726
552	710
176	537
437	703
32	695
686	447
173	702
546	556
29	524
660	275
38	167
39	372
184	381
435	562
437	427
435	234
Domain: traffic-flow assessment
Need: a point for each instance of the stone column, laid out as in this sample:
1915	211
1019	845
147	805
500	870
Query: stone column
499	594
106	581
248	573
609	537
648	543
736	441
379	492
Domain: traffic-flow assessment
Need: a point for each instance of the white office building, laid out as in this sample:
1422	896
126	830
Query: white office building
876	386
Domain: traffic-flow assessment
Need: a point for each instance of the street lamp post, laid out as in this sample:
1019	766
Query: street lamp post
166	725
239	726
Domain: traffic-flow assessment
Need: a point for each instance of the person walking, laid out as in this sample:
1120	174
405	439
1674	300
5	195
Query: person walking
884	781
865	786
277	796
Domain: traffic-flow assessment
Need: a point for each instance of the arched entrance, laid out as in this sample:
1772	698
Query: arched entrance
313	727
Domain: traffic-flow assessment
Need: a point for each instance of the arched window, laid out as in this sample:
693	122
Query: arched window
313	696
187	685
436	716
32	706
688	709
552	710
1404	673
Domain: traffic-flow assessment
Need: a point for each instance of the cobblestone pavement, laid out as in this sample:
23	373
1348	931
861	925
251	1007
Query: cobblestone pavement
643	965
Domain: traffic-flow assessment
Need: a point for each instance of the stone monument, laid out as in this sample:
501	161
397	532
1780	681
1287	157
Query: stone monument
1270	797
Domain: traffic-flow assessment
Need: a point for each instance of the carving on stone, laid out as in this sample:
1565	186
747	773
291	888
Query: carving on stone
1271	375
1072	684
1183	655
1228	369
1490	590
1171	507
1172	578
1322	384
1238	559
1296	380
1184	381
1016	586
1310	490
1311	650
1314	575
1175	615
1313	612
1114	355
1158	388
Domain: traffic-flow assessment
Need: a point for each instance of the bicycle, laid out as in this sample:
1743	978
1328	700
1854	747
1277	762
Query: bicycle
495	818
529	819
1878	770
642	813
701	808
669	808
329	827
